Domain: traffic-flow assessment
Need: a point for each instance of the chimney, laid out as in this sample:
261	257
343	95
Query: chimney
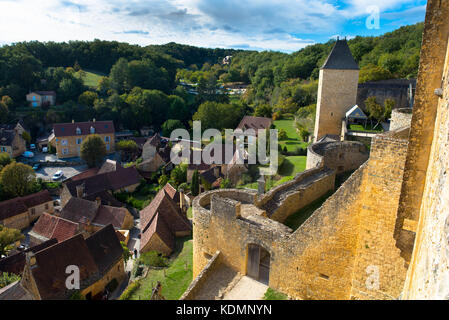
30	259
93	120
80	190
261	185
182	200
73	121
217	171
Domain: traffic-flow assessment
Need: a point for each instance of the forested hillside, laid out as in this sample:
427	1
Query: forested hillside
141	85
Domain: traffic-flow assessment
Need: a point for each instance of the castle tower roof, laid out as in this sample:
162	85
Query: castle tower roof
340	58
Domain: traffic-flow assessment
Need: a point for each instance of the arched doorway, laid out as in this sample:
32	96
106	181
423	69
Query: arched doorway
258	264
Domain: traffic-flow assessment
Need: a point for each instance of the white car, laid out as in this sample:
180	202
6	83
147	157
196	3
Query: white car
58	175
28	154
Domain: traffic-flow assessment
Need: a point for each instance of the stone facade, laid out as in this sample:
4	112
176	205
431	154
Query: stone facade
70	146
337	92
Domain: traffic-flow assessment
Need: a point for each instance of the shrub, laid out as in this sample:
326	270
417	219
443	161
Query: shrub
153	259
130	290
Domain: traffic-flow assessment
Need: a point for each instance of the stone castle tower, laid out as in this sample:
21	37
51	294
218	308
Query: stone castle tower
337	90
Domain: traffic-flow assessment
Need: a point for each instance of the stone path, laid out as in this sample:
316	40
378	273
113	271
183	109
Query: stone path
246	289
220	281
271	206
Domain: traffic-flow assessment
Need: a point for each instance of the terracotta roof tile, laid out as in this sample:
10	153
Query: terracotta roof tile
69	129
53	227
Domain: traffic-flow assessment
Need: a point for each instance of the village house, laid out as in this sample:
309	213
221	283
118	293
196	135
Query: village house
68	137
155	154
162	221
20	212
99	259
92	215
254	123
101	183
41	98
52	227
11	140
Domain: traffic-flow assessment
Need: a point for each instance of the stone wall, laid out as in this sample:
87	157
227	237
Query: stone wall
340	156
202	278
396	89
428	276
400	118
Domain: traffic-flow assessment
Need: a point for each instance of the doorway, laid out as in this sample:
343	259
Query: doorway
258	264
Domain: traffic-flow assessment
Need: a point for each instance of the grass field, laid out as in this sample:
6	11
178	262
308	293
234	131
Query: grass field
367	128
293	165
91	78
175	279
293	140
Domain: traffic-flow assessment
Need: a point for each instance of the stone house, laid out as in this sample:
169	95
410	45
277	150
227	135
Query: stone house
41	98
162	221
254	123
91	216
20	212
11	140
68	137
155	153
52	227
98	257
101	184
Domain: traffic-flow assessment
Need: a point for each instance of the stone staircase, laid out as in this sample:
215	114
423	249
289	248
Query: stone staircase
283	193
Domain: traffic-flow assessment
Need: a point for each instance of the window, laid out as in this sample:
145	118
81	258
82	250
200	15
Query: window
78	131
107	147
92	130
64	142
34	98
106	139
3	149
65	151
79	140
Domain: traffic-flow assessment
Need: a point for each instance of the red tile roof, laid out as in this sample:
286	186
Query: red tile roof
53	227
255	123
20	205
85	174
69	129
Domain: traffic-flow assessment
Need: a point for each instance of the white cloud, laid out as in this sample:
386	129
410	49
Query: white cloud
252	23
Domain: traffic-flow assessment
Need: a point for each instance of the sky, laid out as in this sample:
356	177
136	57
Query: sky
279	25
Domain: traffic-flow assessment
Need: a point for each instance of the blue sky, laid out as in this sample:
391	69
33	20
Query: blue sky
281	25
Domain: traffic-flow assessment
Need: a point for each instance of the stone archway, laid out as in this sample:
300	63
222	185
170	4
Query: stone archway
258	263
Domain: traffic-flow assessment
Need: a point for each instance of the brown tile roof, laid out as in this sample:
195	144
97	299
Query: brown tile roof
15	291
10	208
6	137
155	140
50	270
53	227
110	215
16	262
109	166
85	174
69	129
105	248
77	210
255	123
171	192
106	199
162	208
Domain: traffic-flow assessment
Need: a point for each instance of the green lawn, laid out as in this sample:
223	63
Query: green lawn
293	141
293	165
91	78
299	217
189	213
177	278
272	294
367	128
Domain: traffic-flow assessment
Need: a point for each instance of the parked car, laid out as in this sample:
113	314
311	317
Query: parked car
28	154
58	175
32	146
36	166
44	149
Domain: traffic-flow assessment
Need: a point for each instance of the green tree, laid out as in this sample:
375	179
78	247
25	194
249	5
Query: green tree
8	278
87	98
4	112
26	136
195	183
5	159
118	75
163	180
225	184
179	174
375	110
93	150
388	107
8	236
126	253
263	110
373	73
170	125
282	135
18	179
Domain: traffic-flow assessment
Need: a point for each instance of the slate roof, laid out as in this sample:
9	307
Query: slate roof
209	175
105	248
340	57
110	215
46	93
77	210
356	113
53	227
13	207
6	137
69	129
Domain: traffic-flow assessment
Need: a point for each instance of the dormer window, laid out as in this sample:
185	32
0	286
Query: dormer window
78	130
92	130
